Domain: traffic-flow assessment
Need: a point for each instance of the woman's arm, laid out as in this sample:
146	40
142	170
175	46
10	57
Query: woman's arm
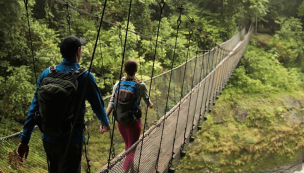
109	110
145	95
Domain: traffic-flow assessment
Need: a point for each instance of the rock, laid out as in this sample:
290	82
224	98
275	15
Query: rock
288	168
240	115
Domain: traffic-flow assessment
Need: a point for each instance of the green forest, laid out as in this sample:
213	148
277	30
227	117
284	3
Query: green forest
266	87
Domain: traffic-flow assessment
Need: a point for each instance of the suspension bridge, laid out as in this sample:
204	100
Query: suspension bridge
181	97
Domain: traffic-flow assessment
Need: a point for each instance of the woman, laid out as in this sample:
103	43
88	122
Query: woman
130	132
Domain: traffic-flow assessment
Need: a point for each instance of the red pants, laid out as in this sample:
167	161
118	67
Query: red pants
130	133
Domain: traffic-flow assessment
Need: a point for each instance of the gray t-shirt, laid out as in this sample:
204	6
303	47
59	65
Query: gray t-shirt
143	93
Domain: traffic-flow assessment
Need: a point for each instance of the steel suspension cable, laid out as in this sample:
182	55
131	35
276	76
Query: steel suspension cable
161	6
104	79
172	64
121	70
177	118
68	17
212	87
208	71
185	138
217	62
140	63
191	131
30	35
156	100
85	86
200	79
155	91
102	66
203	73
88	170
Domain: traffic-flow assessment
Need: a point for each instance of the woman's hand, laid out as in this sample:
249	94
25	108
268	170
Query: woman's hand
151	106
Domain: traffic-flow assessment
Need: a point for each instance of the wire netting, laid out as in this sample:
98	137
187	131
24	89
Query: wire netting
205	76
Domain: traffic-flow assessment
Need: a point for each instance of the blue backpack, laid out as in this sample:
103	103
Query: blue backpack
125	102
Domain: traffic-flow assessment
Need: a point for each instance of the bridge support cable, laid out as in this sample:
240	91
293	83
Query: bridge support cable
207	81
140	63
211	98
100	49
204	74
224	73
168	92
192	86
181	96
197	96
156	100
185	138
30	35
199	80
199	88
177	30
68	17
121	71
221	72
84	89
210	105
161	6
224	76
217	76
112	150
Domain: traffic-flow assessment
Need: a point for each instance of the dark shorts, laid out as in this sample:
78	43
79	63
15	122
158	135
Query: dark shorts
55	154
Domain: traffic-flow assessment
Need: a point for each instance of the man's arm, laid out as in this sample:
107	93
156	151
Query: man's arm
23	147
93	95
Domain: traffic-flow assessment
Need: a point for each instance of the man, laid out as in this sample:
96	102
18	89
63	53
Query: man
55	148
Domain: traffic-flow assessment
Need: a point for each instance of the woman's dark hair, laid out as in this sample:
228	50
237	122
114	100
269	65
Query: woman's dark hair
130	68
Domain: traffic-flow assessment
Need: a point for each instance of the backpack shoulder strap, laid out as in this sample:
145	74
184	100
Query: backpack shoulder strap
79	72
52	69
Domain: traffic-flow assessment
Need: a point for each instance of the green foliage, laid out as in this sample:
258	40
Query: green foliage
261	72
288	42
17	92
301	9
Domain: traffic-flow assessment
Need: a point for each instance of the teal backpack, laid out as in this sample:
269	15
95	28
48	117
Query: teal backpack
125	102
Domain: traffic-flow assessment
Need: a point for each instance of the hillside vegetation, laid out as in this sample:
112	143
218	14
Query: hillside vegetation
257	122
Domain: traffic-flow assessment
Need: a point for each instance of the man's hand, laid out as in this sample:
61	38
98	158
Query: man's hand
103	128
22	150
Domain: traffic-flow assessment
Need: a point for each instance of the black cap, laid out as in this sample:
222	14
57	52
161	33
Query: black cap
69	45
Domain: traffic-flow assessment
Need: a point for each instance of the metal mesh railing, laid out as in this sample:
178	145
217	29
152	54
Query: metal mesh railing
205	77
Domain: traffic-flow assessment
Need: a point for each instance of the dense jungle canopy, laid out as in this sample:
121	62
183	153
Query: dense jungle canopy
272	65
48	22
